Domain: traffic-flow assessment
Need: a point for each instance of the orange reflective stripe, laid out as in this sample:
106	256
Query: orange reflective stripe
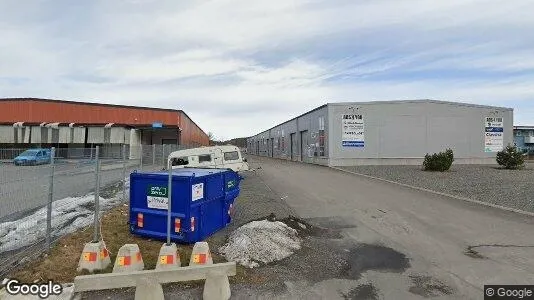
138	256
124	261
104	253
140	222
199	258
166	259
89	256
177	225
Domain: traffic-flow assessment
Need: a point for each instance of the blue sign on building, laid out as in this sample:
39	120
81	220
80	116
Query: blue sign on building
157	125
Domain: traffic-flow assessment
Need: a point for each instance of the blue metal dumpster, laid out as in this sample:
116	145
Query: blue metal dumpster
202	202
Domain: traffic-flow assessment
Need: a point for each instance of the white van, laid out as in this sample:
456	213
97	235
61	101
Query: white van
218	157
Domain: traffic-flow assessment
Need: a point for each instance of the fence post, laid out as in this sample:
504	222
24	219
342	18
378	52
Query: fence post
141	158
153	155
123	173
169	203
50	199
163	155
97	194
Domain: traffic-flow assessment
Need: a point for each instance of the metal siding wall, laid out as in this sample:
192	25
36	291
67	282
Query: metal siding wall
7	135
27	134
308	122
79	135
95	135
289	128
311	123
35	134
412	129
440	136
64	112
117	135
464	131
15	111
191	134
398	136
159	135
127	136
37	111
53	135
64	135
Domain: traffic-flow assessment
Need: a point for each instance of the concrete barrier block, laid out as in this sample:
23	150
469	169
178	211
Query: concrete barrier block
201	254
94	257
129	259
216	286
148	288
168	257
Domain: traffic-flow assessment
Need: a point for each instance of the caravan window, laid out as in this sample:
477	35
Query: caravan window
180	161
204	158
231	155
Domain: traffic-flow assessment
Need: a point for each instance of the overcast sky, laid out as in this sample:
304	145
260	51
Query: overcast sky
238	67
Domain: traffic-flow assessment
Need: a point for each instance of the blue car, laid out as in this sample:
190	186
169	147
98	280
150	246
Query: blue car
33	157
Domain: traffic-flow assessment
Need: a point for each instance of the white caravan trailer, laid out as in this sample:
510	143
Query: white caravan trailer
218	157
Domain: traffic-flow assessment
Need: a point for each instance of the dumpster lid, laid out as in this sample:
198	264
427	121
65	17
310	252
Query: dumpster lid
188	172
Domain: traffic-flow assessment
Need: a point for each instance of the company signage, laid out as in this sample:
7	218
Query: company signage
157	197
493	134
352	130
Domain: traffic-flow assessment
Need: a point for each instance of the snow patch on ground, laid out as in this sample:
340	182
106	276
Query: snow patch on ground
68	215
261	242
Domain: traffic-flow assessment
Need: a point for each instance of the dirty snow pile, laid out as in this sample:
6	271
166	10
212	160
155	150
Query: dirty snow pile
260	242
68	215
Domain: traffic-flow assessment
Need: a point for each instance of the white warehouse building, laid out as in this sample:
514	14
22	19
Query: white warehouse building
388	133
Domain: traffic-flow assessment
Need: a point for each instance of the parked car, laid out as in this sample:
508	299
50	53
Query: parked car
33	157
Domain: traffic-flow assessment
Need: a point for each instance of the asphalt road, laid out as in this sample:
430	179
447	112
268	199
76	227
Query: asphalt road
406	244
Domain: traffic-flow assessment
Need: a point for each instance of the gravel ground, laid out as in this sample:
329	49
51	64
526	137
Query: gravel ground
486	183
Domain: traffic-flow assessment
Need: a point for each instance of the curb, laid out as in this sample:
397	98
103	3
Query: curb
519	211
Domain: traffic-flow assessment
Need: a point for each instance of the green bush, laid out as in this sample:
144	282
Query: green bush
510	158
441	161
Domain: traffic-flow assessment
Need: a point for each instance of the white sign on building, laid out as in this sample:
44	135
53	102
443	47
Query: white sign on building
493	134
352	131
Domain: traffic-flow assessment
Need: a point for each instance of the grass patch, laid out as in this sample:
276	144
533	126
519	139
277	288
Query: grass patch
61	263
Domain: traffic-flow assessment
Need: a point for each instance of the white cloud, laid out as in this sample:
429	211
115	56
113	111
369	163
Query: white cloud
238	67
174	67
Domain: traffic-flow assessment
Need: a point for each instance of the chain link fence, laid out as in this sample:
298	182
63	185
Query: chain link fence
41	203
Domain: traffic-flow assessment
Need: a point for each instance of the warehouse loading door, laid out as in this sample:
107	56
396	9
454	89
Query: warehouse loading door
304	146
272	147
